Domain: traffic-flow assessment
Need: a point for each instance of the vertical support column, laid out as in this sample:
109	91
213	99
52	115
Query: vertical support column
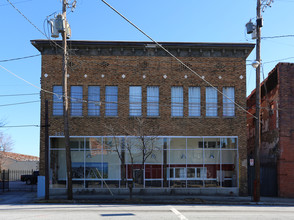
46	152
165	163
257	124
65	107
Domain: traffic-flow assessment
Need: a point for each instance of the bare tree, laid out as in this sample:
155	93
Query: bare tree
5	146
138	143
143	141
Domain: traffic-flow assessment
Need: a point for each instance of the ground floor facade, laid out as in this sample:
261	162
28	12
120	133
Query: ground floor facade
163	162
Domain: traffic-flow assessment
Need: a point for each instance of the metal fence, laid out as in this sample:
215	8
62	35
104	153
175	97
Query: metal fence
10	180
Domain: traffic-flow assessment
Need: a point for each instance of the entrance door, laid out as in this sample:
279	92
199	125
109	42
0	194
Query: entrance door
138	178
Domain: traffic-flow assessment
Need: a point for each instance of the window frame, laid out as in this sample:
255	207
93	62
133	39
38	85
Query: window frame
109	103
94	108
177	103
76	101
211	109
228	105
152	101
135	101
194	103
57	100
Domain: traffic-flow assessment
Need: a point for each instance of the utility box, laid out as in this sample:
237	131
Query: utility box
54	31
250	27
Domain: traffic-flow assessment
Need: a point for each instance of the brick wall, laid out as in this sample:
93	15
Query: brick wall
226	70
286	117
277	118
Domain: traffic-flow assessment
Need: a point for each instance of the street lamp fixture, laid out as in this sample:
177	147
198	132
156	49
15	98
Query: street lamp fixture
255	64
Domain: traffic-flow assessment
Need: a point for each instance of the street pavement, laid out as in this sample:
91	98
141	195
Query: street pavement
25	205
142	212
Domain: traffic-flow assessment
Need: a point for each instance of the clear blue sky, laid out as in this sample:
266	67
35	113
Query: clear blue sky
164	20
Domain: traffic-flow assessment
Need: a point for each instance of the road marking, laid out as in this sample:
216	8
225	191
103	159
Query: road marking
180	215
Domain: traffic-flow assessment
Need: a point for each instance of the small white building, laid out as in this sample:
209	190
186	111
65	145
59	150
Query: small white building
15	161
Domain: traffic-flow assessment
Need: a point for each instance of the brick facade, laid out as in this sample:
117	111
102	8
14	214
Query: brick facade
277	126
125	64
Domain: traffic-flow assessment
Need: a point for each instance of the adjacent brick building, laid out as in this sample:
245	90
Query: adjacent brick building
277	137
195	137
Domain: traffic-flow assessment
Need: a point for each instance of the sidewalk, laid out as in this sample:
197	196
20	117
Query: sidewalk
172	199
31	197
14	197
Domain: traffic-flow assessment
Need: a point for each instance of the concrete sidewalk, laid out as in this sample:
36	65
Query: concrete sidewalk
31	197
172	199
17	197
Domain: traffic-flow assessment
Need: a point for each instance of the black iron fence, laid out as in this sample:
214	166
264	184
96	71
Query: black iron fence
10	180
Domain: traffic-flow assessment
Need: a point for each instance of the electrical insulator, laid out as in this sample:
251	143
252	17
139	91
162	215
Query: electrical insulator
68	30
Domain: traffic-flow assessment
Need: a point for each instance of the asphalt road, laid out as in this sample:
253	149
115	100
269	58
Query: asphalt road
144	212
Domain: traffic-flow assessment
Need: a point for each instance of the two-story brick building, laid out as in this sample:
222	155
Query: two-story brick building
194	138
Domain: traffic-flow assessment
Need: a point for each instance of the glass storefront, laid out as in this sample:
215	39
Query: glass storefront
152	162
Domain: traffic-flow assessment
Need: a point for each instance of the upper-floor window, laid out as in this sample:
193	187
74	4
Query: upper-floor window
152	101
76	94
194	101
94	100
177	101
211	102
228	101
135	100
111	98
57	101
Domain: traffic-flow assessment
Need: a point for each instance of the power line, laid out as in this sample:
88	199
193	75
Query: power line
174	56
19	103
287	58
25	17
19	126
280	36
20	58
33	24
17	2
28	94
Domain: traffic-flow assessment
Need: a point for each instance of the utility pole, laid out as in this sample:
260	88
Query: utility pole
257	94
65	106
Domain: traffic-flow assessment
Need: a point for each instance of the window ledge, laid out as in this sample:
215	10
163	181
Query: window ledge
229	116
152	116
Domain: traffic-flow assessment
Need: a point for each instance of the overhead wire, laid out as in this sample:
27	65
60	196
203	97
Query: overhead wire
32	23
18	126
167	51
17	2
19	58
19	103
22	94
280	36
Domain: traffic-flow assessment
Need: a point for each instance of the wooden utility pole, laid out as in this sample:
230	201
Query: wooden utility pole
65	105
257	124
